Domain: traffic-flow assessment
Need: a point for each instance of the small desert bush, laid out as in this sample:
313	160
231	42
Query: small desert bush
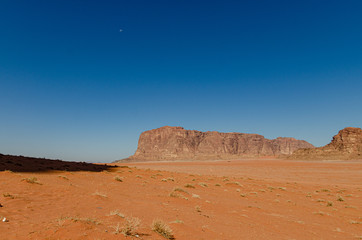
233	183
177	189
117	229
78	219
329	204
116	213
32	180
178	221
162	228
119	179
99	194
340	198
198	209
8	195
130	226
64	177
195	196
176	193
189	186
202	184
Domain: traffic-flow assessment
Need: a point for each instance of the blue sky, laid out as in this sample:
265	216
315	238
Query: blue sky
74	87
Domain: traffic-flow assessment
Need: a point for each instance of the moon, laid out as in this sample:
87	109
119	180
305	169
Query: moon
120	30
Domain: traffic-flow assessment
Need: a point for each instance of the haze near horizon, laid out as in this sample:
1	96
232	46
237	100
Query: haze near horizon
81	80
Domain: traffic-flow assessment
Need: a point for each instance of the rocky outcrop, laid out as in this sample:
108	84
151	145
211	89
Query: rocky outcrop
176	143
346	145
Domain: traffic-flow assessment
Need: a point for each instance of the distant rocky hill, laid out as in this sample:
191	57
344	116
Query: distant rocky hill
346	145
176	143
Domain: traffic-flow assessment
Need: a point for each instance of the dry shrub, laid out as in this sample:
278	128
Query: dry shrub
162	228
32	180
130	227
119	179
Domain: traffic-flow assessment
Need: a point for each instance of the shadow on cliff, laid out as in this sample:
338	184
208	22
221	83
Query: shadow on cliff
30	164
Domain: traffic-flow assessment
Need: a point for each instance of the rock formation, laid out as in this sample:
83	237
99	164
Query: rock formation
346	145
176	143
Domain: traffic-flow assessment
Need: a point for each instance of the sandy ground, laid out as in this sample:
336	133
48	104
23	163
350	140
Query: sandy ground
259	199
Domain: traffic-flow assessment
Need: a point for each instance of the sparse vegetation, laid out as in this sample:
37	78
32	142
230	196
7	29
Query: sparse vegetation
178	221
119	179
117	229
321	213
99	194
176	192
198	209
340	199
78	219
177	189
130	226
63	177
8	195
116	213
329	204
162	228
233	183
202	184
189	186
32	180
195	196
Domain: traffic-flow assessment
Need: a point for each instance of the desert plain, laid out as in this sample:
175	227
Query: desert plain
266	198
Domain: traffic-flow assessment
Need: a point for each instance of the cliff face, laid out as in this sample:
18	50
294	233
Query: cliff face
347	144
172	143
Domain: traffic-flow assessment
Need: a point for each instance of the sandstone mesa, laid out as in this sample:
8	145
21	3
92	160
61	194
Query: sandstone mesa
177	143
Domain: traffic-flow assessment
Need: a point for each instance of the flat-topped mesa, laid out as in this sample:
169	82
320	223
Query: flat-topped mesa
346	145
177	143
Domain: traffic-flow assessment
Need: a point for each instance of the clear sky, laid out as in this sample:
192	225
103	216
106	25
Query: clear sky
75	87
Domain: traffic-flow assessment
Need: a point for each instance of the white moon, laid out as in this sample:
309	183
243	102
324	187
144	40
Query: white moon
120	30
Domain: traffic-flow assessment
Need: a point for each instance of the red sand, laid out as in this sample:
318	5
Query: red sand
259	199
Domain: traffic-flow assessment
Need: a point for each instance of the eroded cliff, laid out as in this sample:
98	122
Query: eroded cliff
346	145
177	143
